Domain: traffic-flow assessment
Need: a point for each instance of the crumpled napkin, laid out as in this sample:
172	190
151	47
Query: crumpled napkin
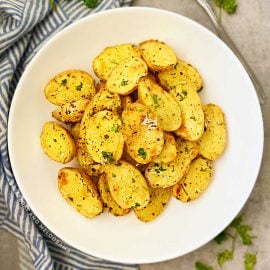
25	25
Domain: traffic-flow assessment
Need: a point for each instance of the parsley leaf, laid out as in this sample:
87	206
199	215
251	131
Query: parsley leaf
141	153
124	82
91	3
155	100
107	155
116	128
79	87
250	261
226	255
243	230
160	169
202	266
229	6
223	236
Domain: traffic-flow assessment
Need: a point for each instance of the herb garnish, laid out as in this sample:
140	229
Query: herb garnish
250	261
142	153
107	155
155	101
116	128
64	82
160	169
88	3
79	87
124	82
202	266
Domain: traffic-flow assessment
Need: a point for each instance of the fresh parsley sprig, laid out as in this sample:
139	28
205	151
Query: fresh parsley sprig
229	6
88	3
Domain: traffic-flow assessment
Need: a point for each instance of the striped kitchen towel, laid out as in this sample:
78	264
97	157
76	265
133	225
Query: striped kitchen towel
25	25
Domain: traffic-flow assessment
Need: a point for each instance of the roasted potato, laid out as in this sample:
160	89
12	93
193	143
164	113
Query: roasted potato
84	158
195	181
79	191
182	74
168	152
57	142
192	113
75	131
127	185
125	101
168	174
159	198
143	136
110	58
158	55
125	77
161	103
69	86
104	139
71	112
214	138
108	202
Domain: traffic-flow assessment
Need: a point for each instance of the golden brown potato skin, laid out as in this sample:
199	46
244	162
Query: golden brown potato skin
57	142
108	202
127	185
125	77
167	174
195	182
69	86
159	198
71	112
182	74
143	136
158	55
214	138
161	103
111	56
79	191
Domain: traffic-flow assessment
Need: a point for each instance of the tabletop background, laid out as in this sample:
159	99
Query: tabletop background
250	30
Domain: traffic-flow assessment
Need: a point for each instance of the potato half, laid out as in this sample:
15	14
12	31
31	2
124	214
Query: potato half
181	74
161	103
195	182
143	136
127	185
168	174
57	142
214	138
68	86
158	55
79	191
110	58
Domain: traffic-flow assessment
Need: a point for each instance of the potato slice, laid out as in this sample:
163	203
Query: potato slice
127	185
108	202
159	198
71	112
214	139
143	137
158	55
75	131
79	191
110	58
192	113
104	138
57	142
195	182
181	74
168	174
161	103
68	86
168	152
125	77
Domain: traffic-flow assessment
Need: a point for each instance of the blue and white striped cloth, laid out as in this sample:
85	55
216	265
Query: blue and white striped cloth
25	25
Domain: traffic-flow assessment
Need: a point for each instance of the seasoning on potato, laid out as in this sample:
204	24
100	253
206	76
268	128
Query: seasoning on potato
214	138
79	191
195	182
143	136
69	86
182	74
140	135
127	185
57	142
158	55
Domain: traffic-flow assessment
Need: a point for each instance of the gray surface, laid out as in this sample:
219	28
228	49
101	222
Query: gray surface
250	29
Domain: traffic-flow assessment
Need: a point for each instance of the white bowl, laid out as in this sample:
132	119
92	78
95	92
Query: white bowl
183	227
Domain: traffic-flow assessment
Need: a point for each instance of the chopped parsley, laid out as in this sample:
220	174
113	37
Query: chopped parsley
108	156
155	100
160	169
64	82
79	87
250	261
124	82
224	256
142	153
182	95
116	128
136	205
202	266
